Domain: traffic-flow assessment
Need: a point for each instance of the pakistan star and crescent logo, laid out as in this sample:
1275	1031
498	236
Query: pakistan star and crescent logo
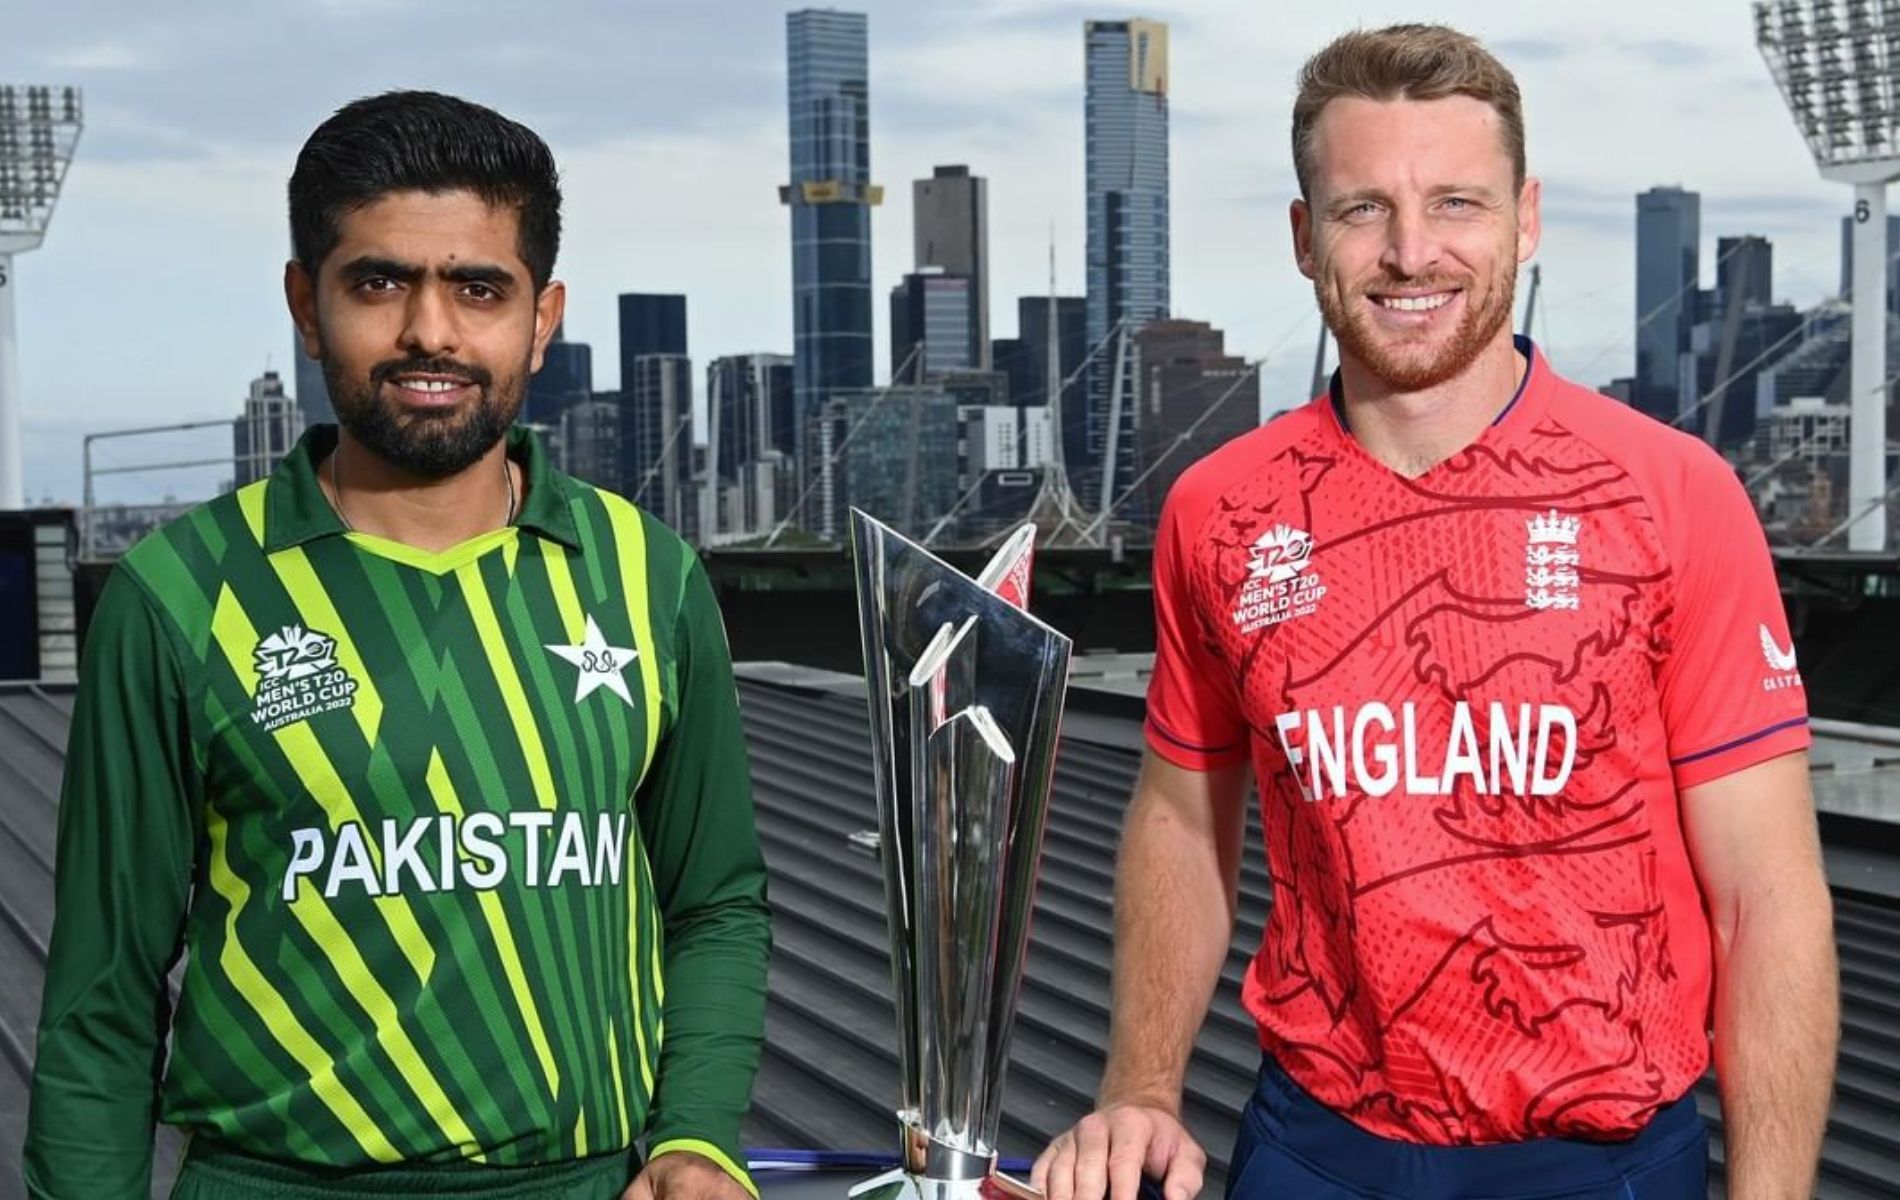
601	665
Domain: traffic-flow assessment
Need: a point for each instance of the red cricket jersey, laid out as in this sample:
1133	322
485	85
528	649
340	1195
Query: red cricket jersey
1471	700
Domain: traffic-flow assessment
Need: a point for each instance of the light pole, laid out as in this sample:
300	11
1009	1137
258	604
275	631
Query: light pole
1834	61
39	126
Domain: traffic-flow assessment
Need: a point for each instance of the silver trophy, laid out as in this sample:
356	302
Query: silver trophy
966	692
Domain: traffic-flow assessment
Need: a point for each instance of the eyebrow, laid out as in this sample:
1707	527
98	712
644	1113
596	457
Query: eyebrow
371	266
1478	191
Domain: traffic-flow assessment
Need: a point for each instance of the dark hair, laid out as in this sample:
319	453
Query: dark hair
423	141
1405	62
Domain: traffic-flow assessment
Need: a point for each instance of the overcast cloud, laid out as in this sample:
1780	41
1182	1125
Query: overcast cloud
157	297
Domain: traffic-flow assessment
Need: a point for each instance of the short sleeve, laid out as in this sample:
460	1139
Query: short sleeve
1193	714
1731	692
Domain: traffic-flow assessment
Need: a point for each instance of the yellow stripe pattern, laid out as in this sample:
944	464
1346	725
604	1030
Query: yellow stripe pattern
443	793
520	713
275	1013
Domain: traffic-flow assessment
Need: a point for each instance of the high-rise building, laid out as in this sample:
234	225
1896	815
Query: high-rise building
1192	397
931	317
750	441
565	379
1072	347
1004	437
1744	272
650	323
590	441
891	452
1893	260
656	441
270	426
1002	452
831	197
950	213
1010	359
1761	335
748	410
313	393
1126	118
1668	245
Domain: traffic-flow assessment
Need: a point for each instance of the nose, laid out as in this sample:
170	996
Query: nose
1411	250
429	326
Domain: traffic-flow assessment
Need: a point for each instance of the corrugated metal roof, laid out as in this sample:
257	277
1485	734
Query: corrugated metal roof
828	1079
829	1074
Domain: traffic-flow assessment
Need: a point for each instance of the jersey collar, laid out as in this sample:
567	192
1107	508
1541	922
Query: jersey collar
296	510
1529	396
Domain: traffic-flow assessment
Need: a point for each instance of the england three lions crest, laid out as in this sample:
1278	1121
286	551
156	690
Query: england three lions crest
1551	561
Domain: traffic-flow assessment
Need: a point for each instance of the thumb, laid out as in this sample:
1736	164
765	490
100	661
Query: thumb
641	1188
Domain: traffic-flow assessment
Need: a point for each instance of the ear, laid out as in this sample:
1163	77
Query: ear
1300	216
1530	219
300	293
549	307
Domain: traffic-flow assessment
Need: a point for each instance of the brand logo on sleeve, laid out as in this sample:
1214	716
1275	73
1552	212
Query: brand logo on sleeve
1281	582
1550	561
298	677
1782	673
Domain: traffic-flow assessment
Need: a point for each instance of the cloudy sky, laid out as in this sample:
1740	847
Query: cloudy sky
157	296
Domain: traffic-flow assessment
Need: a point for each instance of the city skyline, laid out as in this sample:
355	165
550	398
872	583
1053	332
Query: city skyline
671	176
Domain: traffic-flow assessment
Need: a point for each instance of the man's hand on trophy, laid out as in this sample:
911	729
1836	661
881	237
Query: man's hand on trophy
684	1175
1108	1152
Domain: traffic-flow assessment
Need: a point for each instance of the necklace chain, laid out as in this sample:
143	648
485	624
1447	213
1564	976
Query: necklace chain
336	489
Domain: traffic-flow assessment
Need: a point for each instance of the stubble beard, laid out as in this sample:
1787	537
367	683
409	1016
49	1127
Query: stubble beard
1411	368
427	444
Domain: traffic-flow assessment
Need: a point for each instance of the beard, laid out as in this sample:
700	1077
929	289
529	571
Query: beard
1410	367
431	444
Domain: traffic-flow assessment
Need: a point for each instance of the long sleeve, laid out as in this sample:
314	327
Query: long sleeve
127	821
696	816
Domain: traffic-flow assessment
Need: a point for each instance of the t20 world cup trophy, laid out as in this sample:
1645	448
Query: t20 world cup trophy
966	692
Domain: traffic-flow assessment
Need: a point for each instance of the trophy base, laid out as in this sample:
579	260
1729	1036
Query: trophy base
902	1185
938	1170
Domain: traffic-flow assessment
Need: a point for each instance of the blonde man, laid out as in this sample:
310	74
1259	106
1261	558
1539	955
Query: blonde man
1510	666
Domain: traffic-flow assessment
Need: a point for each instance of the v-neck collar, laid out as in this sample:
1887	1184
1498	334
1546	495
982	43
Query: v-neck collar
1522	413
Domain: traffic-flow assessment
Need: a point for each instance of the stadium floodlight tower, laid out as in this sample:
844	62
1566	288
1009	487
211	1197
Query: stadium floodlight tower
39	127
1834	62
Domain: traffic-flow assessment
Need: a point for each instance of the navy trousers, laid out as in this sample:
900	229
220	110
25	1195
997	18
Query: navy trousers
1291	1147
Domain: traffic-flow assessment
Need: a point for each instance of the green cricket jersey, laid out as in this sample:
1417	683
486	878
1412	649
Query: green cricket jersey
460	847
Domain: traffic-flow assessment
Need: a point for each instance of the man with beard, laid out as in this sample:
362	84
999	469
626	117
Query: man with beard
1509	664
425	754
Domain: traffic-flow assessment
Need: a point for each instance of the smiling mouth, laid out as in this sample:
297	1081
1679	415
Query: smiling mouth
434	386
1414	303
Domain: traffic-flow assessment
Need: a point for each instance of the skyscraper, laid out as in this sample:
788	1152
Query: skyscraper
1126	118
650	323
750	438
566	378
895	456
270	426
1010	359
1744	272
951	230
932	314
1668	244
656	432
831	196
1072	346
312	394
590	441
1192	395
